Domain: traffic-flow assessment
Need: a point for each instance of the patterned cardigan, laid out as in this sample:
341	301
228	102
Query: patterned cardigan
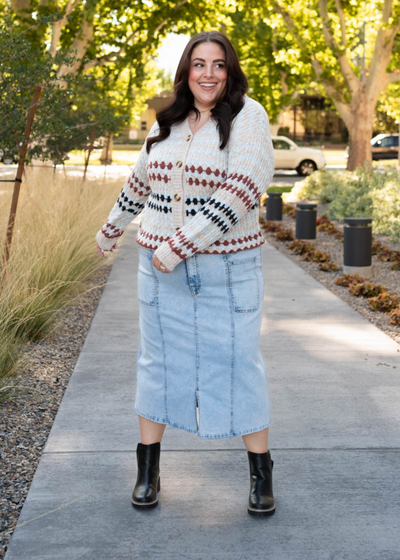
194	197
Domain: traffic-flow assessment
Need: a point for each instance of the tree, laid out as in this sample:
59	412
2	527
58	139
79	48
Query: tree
67	110
351	48
276	71
115	33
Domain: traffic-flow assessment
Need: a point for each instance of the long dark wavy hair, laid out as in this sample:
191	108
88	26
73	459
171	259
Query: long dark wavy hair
226	108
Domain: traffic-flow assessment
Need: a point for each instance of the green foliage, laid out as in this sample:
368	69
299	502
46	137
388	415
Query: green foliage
386	208
362	193
274	68
23	67
68	109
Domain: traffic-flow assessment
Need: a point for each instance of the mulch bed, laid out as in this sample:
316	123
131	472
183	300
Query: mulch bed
25	421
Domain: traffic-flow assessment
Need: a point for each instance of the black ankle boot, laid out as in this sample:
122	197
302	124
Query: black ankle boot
261	499
148	476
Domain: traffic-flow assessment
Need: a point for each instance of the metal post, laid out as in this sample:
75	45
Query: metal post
274	207
306	221
18	179
357	246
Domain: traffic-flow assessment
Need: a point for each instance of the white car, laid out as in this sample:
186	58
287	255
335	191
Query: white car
288	155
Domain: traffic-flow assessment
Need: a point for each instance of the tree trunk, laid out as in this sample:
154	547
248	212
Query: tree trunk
106	154
78	49
360	134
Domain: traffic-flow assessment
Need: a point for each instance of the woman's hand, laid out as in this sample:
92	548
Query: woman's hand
101	252
159	266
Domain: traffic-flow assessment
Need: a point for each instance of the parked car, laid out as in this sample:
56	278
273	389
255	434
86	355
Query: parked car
288	155
383	146
8	156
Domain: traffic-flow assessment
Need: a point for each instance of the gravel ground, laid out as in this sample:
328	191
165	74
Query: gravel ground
25	421
381	273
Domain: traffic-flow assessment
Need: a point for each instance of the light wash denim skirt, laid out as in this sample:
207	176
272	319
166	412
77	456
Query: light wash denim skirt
199	366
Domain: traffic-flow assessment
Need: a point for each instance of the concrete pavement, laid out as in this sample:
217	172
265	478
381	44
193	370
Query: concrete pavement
334	381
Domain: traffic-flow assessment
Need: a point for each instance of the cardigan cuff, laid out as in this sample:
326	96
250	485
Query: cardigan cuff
167	256
106	243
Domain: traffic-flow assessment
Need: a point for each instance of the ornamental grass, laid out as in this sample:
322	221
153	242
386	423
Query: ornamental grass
53	254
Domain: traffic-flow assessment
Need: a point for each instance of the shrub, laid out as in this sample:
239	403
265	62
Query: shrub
271	226
329	266
367	289
361	193
388	255
395	316
328	227
347	280
284	235
384	302
376	247
290	210
396	265
316	256
386	208
300	247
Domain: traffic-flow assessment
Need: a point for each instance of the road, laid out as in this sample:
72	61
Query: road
281	178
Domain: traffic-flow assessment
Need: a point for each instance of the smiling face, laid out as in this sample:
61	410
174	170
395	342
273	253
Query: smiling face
207	74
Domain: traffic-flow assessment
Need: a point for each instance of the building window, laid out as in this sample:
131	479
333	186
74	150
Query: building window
144	125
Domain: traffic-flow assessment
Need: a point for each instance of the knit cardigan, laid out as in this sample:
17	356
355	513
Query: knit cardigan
195	197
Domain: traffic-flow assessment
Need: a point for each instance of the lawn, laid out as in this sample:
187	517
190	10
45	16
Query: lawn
123	154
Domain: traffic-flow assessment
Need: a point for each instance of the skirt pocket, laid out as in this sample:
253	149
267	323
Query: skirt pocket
147	284
246	283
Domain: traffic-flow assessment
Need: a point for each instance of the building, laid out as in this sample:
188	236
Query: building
148	117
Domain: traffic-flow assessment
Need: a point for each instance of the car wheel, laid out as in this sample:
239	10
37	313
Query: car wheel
306	167
8	160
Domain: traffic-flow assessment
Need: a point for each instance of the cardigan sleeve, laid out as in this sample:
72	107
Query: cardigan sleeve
130	202
250	169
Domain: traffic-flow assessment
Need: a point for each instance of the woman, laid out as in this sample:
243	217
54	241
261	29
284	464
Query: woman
205	164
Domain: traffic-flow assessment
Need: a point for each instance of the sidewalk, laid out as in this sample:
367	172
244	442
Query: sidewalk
334	383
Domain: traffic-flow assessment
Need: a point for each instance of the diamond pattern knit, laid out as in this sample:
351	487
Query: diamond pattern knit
194	197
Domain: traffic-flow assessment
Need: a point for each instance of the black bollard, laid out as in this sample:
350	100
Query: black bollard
274	206
306	221
357	249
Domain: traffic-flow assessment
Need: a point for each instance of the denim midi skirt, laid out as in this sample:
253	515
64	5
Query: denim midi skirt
199	366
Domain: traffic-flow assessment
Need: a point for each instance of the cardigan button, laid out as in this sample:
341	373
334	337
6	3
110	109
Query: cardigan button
188	138
179	164
177	197
177	228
